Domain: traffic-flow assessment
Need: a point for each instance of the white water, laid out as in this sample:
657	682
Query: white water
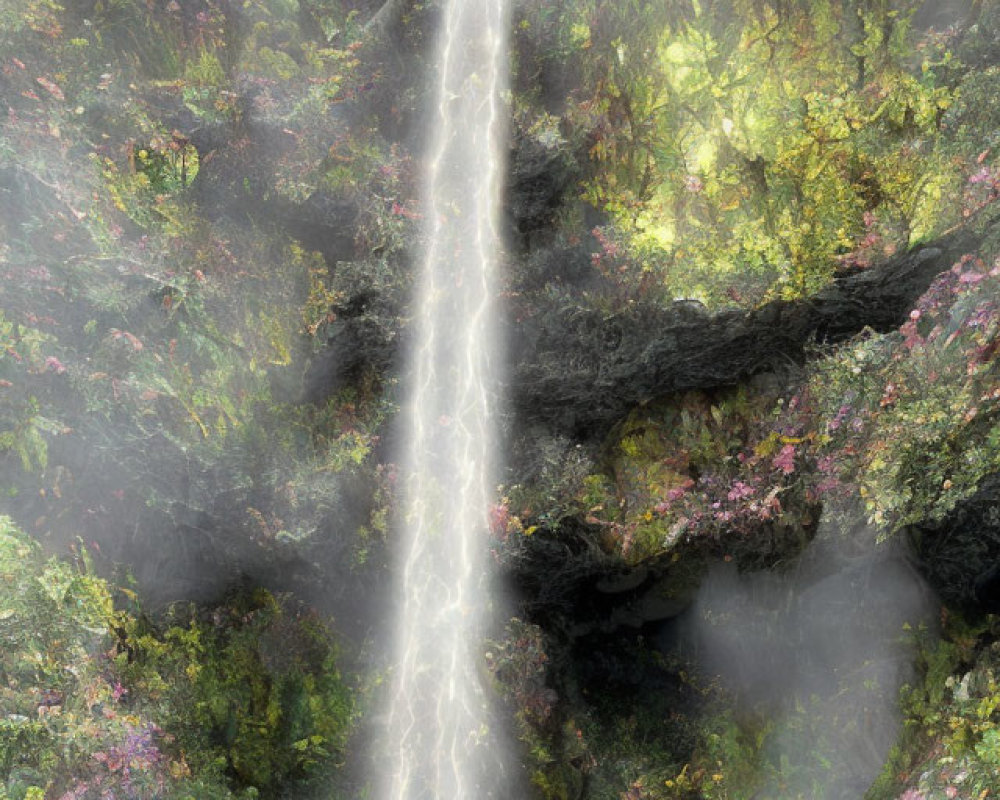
440	746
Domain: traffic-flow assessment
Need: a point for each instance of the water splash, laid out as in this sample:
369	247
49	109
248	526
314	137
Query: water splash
440	743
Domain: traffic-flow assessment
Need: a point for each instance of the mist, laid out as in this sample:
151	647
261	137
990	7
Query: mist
813	655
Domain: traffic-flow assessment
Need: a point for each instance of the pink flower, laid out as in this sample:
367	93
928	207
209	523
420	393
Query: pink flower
826	464
980	177
739	490
678	491
55	365
785	460
499	517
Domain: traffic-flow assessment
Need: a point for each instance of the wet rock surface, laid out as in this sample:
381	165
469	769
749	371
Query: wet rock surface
540	173
960	555
579	370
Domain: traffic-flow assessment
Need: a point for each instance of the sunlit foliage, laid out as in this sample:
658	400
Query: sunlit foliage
745	150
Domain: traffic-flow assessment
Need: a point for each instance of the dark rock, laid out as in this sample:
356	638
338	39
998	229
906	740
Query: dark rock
566	583
365	334
986	589
560	265
623	582
324	222
539	175
226	186
960	556
354	345
580	369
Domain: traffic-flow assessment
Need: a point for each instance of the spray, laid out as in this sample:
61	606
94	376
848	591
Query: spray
817	654
440	743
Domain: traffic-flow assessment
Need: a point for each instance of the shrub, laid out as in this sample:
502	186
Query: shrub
249	689
97	703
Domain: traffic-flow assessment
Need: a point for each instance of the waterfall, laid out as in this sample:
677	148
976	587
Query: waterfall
440	742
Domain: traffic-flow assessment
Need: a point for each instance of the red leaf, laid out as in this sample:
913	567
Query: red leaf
52	88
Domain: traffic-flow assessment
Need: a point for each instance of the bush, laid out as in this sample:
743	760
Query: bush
95	702
65	730
249	689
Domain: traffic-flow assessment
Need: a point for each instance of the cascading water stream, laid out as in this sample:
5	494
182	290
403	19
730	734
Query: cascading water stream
440	746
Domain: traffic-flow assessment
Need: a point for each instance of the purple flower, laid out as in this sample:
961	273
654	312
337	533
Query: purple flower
835	423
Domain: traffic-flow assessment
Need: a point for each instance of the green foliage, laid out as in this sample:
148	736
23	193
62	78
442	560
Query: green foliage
907	420
153	361
949	745
519	666
248	694
696	467
807	744
590	740
143	351
38	18
912	417
53	614
249	689
181	332
63	726
205	71
743	150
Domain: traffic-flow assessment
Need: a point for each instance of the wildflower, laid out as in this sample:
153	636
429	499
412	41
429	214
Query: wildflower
981	176
785	460
739	490
55	365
